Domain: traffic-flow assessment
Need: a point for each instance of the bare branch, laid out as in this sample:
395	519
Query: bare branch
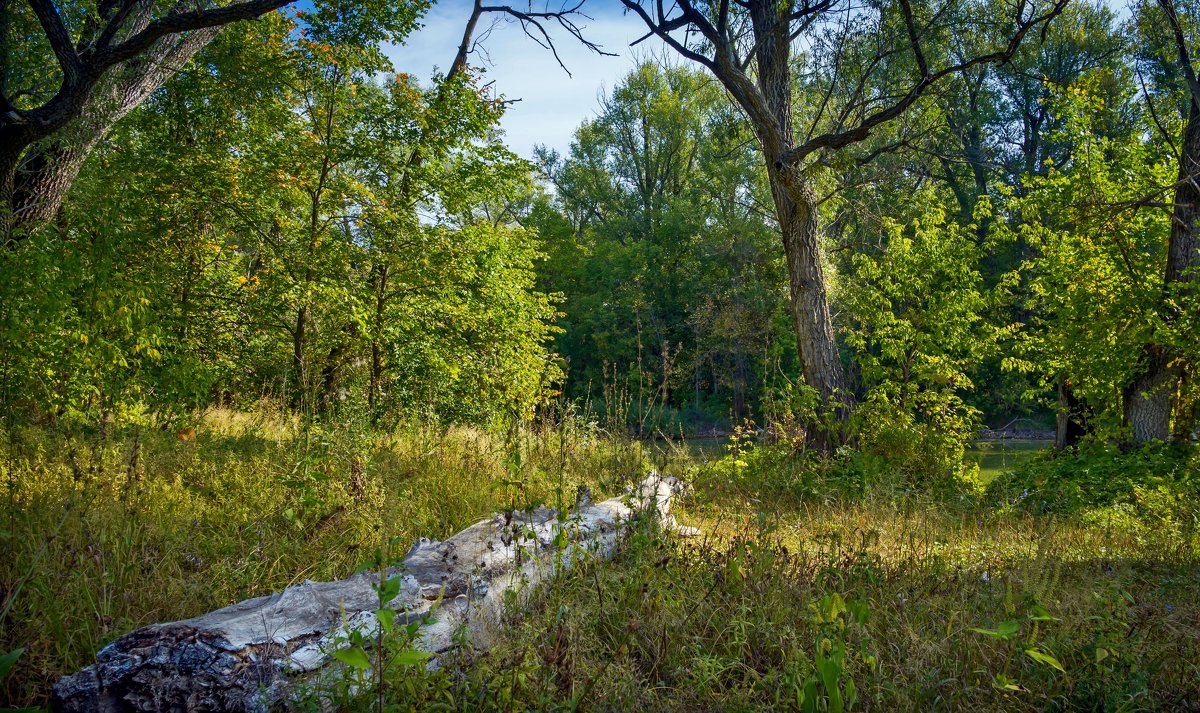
1166	135
914	39
862	131
663	29
532	23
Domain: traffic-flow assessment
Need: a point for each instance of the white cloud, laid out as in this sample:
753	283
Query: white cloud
552	104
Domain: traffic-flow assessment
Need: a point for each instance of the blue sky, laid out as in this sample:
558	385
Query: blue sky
552	104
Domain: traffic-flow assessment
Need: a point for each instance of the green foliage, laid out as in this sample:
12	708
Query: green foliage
1154	484
311	235
1094	286
669	274
914	318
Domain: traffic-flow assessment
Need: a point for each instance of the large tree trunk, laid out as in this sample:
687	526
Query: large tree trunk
251	656
1148	398
795	208
38	169
1151	395
798	221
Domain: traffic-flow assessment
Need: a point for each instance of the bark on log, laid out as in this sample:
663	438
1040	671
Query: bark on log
250	656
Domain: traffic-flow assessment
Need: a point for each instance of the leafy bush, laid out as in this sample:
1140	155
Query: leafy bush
1099	475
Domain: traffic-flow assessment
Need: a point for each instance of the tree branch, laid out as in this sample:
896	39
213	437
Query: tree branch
838	139
183	22
60	39
535	20
663	29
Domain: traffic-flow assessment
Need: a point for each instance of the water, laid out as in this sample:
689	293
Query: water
993	457
996	457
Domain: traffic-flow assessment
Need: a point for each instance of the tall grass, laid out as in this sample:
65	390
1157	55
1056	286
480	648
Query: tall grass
104	533
894	608
818	585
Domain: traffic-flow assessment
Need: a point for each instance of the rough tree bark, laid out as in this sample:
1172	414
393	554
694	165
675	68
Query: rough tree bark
250	656
123	53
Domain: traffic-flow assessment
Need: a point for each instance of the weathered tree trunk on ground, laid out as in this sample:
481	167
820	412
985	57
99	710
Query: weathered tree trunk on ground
250	656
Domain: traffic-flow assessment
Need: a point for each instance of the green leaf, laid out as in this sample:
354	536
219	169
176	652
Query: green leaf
1004	631
354	657
389	589
810	696
1045	658
387	619
412	657
7	661
1040	613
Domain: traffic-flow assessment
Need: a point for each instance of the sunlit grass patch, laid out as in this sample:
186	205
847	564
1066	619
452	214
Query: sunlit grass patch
103	535
942	611
803	590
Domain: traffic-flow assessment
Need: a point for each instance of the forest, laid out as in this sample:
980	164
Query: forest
899	299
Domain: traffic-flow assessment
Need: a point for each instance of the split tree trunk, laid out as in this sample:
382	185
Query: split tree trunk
250	656
1074	418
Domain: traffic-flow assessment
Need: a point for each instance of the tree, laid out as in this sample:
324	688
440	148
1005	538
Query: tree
748	48
109	59
1098	236
659	244
267	188
79	69
1162	386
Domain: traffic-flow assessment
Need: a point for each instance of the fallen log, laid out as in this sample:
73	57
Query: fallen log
252	655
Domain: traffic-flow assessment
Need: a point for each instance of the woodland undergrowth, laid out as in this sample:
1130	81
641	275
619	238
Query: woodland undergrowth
819	584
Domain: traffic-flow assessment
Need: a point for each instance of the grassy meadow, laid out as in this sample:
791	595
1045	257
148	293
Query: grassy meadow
817	585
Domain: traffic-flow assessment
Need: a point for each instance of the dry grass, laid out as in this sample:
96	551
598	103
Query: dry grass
101	536
106	534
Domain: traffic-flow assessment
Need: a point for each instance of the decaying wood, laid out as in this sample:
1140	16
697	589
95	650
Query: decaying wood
250	656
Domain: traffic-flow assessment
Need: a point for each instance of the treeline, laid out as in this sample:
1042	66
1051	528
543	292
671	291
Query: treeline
911	222
286	218
1019	244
